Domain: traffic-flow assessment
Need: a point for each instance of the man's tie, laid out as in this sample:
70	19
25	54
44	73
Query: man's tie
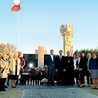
60	58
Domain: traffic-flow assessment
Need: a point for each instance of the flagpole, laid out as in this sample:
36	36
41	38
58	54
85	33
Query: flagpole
17	29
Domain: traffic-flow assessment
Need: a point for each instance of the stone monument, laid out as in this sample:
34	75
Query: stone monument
67	33
41	52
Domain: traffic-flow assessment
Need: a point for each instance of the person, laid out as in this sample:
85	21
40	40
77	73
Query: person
8	69
93	67
60	68
15	69
69	69
3	71
50	62
76	67
23	64
88	72
82	70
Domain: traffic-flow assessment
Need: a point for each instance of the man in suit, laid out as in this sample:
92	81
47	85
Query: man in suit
60	67
51	67
69	69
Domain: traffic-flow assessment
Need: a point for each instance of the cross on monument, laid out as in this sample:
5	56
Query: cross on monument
40	51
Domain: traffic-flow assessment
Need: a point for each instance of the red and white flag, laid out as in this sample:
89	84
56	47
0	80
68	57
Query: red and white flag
17	6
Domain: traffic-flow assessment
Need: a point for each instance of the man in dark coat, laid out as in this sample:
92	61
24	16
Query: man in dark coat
50	61
60	68
69	69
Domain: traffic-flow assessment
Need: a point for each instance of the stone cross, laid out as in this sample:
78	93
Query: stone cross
41	52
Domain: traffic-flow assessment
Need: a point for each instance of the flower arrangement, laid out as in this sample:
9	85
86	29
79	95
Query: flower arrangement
39	71
35	71
44	81
45	70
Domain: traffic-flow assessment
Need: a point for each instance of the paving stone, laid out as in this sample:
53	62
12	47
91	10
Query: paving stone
43	91
57	93
11	93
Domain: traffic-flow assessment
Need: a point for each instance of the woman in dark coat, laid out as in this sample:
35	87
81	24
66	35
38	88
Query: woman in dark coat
82	69
93	67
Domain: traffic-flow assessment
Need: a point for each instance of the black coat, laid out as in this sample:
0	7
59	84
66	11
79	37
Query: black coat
50	63
69	76
83	64
60	64
69	63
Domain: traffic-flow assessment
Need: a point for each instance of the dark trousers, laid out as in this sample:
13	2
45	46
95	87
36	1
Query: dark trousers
76	75
69	77
2	82
88	78
51	76
81	77
9	77
60	77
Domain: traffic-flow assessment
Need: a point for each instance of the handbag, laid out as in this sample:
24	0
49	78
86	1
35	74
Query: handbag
2	69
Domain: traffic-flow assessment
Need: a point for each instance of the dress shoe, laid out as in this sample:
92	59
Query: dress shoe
82	86
0	89
3	89
13	86
94	88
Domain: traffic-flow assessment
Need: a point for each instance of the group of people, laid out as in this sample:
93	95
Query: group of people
10	67
68	69
86	65
62	66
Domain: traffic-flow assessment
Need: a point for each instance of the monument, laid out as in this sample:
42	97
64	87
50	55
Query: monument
31	60
41	52
67	33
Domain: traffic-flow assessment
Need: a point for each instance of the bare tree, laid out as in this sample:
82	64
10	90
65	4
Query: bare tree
10	48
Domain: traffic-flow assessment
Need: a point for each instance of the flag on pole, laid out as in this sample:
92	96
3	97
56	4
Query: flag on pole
71	51
17	6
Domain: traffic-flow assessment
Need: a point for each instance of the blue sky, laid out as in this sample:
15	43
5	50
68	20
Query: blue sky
40	20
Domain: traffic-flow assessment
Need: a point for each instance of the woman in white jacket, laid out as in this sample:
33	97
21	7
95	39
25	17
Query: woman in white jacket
4	68
15	69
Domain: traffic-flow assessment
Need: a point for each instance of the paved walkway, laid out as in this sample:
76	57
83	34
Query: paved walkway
41	91
57	93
